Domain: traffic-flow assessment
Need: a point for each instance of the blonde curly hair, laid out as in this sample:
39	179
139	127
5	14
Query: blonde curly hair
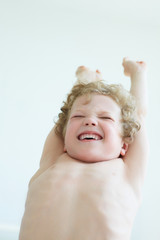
122	97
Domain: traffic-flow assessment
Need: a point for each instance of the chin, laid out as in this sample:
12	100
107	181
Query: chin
88	158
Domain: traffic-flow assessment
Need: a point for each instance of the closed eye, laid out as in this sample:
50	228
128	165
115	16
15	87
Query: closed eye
107	118
77	116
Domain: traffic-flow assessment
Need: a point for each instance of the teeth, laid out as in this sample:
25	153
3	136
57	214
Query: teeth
89	136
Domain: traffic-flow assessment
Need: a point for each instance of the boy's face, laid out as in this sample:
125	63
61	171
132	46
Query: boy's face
93	131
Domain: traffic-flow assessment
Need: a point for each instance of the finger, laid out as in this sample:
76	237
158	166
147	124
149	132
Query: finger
125	59
140	62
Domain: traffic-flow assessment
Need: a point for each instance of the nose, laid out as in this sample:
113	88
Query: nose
89	121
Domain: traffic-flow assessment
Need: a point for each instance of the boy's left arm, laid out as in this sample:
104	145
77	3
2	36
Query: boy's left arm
137	154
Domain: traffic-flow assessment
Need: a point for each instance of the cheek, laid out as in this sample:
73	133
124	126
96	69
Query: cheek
73	126
112	131
71	129
108	128
68	128
66	138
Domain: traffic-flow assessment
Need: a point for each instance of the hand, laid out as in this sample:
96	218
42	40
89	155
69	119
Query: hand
85	75
133	67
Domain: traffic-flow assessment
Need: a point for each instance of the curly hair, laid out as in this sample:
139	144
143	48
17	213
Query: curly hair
122	97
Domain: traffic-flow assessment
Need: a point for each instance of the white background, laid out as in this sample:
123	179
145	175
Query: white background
42	42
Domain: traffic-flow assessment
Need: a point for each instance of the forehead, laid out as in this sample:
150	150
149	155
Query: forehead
95	102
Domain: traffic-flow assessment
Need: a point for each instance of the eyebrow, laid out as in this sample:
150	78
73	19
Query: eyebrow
78	110
103	112
98	112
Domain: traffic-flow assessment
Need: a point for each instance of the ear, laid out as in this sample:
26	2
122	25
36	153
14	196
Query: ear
124	149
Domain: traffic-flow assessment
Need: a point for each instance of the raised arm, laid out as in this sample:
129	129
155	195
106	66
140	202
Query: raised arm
137	71
53	148
137	154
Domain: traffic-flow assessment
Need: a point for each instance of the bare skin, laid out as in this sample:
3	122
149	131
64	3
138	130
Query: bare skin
73	200
85	75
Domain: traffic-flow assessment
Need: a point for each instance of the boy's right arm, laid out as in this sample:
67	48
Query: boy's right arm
53	148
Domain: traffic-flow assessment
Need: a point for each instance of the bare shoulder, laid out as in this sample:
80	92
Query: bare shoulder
63	163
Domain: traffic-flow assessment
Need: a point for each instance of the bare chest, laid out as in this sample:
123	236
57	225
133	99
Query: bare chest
91	201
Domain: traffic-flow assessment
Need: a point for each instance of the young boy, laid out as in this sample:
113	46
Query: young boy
93	164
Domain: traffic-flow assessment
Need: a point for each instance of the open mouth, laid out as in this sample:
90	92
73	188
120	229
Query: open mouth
89	137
